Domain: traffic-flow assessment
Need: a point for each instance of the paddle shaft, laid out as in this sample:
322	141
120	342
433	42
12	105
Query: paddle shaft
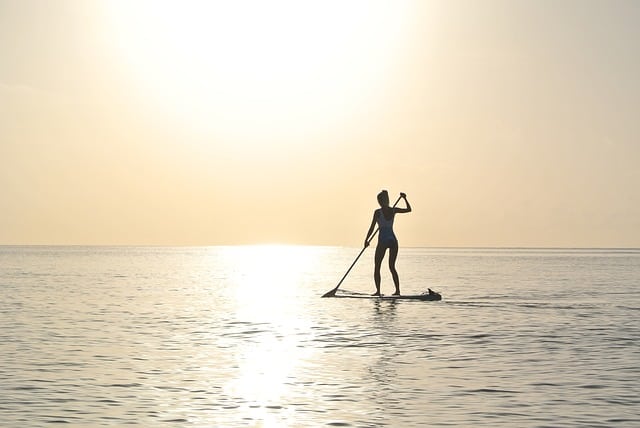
333	292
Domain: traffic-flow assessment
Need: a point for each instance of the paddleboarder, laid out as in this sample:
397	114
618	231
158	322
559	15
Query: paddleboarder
384	217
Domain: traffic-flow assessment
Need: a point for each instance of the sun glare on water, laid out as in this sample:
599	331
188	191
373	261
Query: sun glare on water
218	65
266	278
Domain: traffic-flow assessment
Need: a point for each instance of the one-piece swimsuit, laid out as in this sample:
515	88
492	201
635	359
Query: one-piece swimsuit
386	238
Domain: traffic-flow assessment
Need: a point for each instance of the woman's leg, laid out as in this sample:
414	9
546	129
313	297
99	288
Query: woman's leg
393	254
380	250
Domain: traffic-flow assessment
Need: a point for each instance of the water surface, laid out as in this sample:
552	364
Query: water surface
238	336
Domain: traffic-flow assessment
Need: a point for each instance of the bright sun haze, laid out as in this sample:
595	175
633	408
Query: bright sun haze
242	122
245	69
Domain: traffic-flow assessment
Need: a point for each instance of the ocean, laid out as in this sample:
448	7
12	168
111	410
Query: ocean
240	337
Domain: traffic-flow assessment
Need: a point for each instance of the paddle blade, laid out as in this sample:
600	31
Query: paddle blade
330	293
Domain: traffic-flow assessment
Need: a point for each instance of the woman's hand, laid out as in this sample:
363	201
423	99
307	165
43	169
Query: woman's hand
406	201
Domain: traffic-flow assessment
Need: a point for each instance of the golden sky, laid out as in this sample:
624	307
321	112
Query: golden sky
507	123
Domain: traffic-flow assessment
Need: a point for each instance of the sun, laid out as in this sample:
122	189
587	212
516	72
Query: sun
245	67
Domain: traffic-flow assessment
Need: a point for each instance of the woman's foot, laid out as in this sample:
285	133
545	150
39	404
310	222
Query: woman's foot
377	293
396	293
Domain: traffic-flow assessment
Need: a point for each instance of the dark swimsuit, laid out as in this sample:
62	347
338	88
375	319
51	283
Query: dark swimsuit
386	237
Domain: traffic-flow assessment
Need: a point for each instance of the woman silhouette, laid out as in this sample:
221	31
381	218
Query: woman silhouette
386	239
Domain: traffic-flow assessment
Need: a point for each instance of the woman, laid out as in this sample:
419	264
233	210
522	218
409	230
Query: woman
386	239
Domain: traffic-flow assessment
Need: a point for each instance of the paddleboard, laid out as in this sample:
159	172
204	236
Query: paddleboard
426	296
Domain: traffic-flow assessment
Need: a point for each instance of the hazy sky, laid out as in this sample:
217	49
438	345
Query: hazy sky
507	123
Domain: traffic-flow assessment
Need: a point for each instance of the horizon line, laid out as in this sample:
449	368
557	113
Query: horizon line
453	247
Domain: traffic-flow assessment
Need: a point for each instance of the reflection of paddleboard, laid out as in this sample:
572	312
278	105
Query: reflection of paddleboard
433	296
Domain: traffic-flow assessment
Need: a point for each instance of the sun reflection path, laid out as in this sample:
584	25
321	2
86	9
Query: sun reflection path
266	277
269	329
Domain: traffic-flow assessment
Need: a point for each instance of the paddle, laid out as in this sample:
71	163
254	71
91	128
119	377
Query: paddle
332	293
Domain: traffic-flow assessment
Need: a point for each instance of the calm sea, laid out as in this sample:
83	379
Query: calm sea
239	336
